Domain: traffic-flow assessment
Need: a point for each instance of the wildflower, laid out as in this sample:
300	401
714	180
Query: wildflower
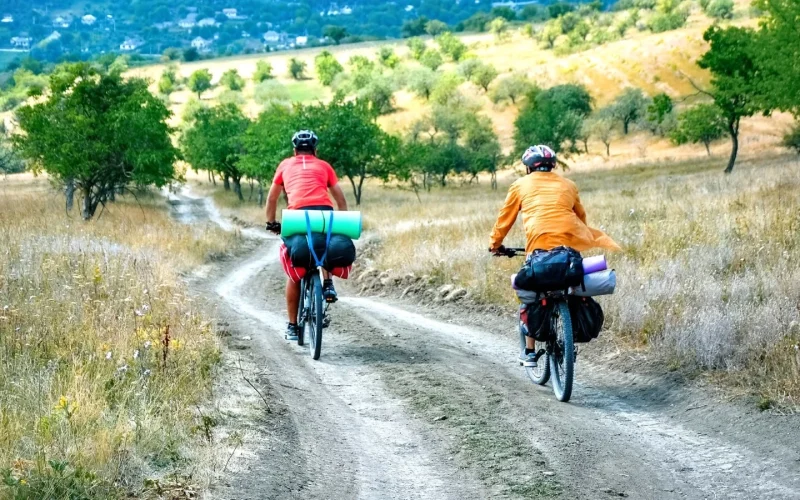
136	354
122	369
109	355
23	482
147	344
147	373
144	310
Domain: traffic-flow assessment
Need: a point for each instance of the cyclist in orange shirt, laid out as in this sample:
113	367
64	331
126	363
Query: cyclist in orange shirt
306	180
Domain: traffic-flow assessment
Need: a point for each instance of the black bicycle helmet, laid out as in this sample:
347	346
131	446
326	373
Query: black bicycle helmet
539	158
305	140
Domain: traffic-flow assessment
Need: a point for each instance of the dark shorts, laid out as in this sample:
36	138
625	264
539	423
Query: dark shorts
316	207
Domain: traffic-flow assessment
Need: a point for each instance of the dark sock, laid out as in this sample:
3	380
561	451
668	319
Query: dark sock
530	351
292	324
327	282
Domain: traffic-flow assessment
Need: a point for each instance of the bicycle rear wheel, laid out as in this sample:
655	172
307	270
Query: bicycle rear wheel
539	374
315	317
562	358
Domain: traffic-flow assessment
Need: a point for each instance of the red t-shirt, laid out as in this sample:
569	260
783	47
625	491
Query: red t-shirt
306	180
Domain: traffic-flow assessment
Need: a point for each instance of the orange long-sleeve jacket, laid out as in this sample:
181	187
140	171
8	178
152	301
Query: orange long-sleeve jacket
552	215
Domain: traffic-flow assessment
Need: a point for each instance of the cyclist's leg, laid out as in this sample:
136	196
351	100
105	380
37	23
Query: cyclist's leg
292	300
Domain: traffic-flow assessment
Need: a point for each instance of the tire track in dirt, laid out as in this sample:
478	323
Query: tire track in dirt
621	447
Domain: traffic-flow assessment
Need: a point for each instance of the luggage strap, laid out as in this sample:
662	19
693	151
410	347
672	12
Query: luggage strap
319	260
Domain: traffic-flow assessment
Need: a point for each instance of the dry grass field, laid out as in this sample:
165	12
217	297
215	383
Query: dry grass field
104	358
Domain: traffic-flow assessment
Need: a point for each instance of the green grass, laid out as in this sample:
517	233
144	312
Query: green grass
307	91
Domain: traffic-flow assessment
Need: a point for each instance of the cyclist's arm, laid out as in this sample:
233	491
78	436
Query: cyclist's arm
578	208
272	201
338	197
506	219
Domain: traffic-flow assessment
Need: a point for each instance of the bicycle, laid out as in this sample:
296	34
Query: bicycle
311	313
559	352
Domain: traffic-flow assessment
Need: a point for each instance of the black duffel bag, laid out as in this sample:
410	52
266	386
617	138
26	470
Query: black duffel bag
341	250
540	314
551	270
587	318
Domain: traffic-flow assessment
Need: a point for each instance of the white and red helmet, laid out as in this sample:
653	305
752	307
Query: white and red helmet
539	156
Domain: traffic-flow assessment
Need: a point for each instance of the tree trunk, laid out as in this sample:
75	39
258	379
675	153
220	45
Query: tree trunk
733	130
708	149
227	182
625	126
250	198
443	180
87	210
69	191
494	180
608	150
237	187
260	194
586	146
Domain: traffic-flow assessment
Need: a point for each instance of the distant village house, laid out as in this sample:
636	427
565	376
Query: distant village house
271	37
208	21
230	13
301	41
21	42
88	19
131	44
201	44
7	19
62	22
189	22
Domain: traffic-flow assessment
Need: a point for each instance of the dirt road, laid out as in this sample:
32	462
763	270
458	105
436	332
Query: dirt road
406	404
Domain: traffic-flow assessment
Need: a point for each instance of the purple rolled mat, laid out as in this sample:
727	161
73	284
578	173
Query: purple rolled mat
594	264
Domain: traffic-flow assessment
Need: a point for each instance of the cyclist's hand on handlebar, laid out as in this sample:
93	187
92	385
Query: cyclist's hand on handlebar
274	227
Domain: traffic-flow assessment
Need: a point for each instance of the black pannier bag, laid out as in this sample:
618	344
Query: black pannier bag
341	250
539	321
551	270
587	318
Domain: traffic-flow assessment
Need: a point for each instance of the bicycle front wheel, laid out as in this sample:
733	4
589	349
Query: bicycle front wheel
315	316
562	359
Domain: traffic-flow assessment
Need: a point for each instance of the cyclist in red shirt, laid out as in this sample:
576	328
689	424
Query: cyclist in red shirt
306	180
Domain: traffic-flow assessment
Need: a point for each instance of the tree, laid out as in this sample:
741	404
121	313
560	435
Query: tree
658	110
387	57
214	142
414	27
450	45
191	54
737	89
297	68
327	67
791	140
512	88
629	107
263	72
477	22
432	59
550	33
720	9
435	27
554	117
530	12
703	123
484	76
484	149
506	13
271	92
266	144
417	47
499	28
335	33
446	89
378	93
199	82
10	162
669	16
99	133
468	67
422	81
171	54
354	143
779	48
602	128
166	84
232	80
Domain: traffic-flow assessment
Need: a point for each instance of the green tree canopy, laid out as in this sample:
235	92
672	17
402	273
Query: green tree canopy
215	142
98	132
417	47
335	33
435	27
387	57
232	79
297	68
629	107
263	72
451	46
267	141
658	111
511	87
553	117
271	92
779	54
432	59
327	67
199	82
703	123
483	76
422	81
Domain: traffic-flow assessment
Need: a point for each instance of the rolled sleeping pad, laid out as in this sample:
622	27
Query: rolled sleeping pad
344	223
600	283
594	264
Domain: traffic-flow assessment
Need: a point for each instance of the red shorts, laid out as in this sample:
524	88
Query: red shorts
297	273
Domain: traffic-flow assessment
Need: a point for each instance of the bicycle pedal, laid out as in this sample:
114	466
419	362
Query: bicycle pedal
326	322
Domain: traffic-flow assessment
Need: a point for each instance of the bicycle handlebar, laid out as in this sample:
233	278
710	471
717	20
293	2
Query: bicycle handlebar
509	252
